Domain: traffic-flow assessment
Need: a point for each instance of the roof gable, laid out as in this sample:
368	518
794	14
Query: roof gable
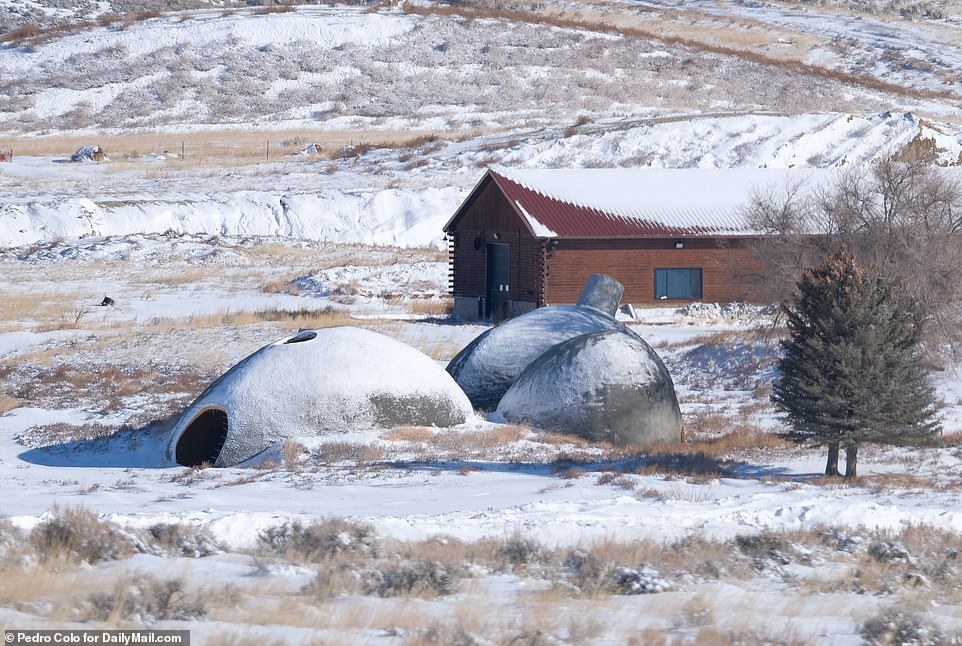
489	177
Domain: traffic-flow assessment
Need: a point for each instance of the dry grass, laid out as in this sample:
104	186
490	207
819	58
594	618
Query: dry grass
107	386
176	276
710	457
45	310
77	535
341	451
364	581
327	316
462	444
8	403
434	307
440	350
560	439
689	30
418	434
279	286
291	452
214	148
450	444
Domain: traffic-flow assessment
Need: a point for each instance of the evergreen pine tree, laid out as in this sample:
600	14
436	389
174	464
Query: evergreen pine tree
851	368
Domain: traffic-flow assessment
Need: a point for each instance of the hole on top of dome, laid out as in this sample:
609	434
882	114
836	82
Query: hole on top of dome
302	336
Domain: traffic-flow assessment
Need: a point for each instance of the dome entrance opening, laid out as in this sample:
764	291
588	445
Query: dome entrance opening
203	438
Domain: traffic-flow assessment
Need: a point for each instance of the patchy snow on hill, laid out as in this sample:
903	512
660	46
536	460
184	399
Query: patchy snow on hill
378	200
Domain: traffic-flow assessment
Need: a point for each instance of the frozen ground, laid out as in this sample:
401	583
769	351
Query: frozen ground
214	236
89	394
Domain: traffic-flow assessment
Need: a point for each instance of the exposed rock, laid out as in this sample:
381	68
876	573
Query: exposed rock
318	382
487	367
608	386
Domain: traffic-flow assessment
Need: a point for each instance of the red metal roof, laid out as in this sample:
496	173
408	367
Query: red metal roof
566	220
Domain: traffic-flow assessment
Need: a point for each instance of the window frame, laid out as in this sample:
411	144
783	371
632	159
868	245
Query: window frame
690	297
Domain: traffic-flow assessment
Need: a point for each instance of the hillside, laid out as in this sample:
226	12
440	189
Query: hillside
272	168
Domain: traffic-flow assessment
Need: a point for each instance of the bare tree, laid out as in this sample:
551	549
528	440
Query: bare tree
792	242
901	218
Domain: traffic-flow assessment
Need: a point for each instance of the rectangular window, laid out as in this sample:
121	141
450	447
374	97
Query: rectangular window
678	284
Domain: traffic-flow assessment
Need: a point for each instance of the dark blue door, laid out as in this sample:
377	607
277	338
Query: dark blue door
498	280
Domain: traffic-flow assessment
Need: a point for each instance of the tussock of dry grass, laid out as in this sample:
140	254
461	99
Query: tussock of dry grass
419	434
8	403
435	307
466	443
343	451
77	535
560	439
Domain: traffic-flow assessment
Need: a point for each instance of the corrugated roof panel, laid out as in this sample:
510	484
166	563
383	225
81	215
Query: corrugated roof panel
599	203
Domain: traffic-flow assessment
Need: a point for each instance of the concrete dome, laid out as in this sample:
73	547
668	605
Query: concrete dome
487	367
315	383
608	386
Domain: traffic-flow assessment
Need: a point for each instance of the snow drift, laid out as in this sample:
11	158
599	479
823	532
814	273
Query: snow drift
412	218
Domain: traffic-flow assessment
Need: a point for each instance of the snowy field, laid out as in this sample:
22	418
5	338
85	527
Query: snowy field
485	522
216	228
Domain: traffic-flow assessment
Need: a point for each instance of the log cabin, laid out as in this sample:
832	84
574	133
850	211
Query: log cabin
525	238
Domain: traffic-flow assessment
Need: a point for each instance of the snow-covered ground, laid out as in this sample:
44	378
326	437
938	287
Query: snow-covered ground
501	533
90	393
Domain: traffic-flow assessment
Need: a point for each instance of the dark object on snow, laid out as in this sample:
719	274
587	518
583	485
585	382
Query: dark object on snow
602	292
89	153
605	386
107	302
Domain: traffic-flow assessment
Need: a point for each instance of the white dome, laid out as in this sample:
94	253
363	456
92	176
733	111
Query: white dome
318	382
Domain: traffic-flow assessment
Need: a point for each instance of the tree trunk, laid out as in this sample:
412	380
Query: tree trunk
831	467
851	461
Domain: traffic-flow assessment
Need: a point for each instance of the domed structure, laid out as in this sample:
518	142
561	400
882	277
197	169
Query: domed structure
604	386
318	382
487	367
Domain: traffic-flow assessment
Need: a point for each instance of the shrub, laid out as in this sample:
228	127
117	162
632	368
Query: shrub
424	578
146	599
320	541
895	626
641	580
79	535
519	550
586	571
765	549
182	539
